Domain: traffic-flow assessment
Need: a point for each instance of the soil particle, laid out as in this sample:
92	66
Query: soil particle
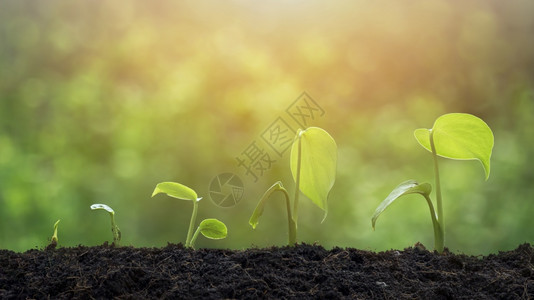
304	271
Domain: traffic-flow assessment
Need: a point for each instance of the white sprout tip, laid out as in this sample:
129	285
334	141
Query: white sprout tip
102	206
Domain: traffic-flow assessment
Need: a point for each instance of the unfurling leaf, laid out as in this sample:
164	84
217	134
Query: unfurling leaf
254	219
405	188
104	207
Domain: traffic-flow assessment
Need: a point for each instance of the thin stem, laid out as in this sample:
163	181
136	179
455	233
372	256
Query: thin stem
292	225
115	230
297	180
438	231
192	223
439	205
192	245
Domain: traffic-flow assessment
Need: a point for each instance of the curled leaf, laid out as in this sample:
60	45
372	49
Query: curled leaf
104	207
258	211
405	188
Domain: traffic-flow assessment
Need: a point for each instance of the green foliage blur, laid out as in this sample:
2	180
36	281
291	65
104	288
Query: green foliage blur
101	100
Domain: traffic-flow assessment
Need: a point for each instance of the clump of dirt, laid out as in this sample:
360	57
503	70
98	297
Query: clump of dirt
304	271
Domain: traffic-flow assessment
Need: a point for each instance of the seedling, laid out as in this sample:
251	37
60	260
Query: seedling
313	166
53	240
210	228
456	136
114	228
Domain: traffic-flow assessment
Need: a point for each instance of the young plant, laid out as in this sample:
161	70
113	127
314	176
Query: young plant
53	240
456	136
114	228
210	228
313	166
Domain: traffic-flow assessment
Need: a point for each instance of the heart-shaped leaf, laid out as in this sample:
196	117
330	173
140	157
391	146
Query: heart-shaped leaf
213	229
459	136
318	161
176	190
405	188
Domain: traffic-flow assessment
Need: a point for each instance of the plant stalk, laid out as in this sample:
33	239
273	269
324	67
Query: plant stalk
297	180
439	205
292	225
438	231
192	224
115	230
195	237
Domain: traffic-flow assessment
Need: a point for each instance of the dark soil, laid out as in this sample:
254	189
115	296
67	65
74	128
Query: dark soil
305	271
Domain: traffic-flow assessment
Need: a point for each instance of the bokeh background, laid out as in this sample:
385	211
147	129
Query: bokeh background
101	100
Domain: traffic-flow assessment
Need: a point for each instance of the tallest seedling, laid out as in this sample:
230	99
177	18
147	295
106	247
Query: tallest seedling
455	136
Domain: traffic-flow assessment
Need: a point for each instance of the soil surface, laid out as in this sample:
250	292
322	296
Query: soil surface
305	271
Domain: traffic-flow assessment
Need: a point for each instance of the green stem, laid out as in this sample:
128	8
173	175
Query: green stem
297	179
440	220
192	223
292	225
115	230
438	231
192	245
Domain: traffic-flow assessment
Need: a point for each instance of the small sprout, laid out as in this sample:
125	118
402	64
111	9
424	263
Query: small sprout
210	228
54	236
456	136
114	228
53	240
313	164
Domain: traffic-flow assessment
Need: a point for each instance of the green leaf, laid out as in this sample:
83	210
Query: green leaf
213	229
405	188
176	190
254	219
459	136
318	164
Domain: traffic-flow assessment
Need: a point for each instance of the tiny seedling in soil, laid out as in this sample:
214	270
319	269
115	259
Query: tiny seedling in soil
53	240
456	136
114	228
313	166
210	228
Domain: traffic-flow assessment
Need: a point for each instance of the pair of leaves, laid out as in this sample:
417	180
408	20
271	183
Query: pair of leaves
210	228
455	136
318	162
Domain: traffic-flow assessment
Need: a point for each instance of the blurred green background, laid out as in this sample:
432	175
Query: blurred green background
101	100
